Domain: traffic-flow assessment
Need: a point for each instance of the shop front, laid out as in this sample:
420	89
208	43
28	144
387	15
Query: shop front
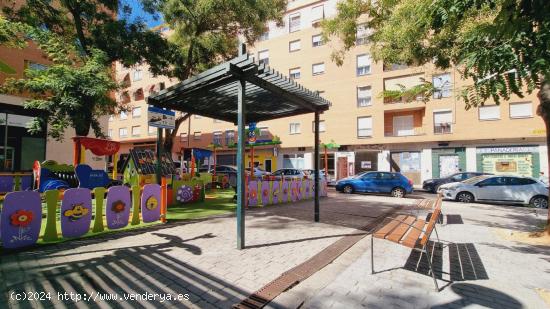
509	160
448	161
407	163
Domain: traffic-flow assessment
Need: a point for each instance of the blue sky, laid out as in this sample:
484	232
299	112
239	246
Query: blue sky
138	13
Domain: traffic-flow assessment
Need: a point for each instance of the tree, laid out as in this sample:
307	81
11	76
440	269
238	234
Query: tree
503	46
88	37
206	32
73	91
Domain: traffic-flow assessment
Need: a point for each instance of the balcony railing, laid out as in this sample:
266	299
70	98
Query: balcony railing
412	132
443	128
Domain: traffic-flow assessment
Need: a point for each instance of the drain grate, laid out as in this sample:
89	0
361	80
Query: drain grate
295	275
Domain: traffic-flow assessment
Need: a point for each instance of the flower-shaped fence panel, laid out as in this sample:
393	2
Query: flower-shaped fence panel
253	193
21	219
285	190
275	192
76	212
266	192
150	203
118	207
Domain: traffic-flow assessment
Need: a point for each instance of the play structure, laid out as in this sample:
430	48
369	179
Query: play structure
78	212
140	167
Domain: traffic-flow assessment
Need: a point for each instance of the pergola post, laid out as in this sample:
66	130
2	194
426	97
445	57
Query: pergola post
241	179
316	172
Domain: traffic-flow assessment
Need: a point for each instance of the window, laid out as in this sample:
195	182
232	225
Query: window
294	46
125	97
443	122
364	96
122	132
151	130
294	22
317	14
263	57
294	73
136	130
361	35
110	133
293	161
318	68
442	85
197	135
495	181
136	112
34	65
322	127
403	125
229	137
490	112
294	128
521	110
111	117
264	36
138	75
123	115
183	137
264	132
217	140
363	64
364	126
317	40
138	94
162	86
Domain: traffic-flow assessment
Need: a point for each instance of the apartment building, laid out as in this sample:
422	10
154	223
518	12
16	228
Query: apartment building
421	140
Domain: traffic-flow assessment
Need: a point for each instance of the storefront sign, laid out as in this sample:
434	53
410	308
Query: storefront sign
508	163
161	118
366	164
510	149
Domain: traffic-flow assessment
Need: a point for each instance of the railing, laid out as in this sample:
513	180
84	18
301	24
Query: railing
443	128
413	132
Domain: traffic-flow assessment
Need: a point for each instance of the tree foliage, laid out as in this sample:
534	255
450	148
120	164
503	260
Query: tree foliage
206	32
73	91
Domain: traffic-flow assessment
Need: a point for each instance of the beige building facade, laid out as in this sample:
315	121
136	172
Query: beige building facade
421	140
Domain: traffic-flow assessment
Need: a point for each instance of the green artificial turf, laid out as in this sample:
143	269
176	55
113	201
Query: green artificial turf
216	202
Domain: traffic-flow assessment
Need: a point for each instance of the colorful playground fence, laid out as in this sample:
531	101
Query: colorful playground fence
21	215
268	192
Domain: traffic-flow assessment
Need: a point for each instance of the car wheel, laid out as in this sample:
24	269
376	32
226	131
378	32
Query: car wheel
348	189
436	188
398	192
429	188
465	197
539	202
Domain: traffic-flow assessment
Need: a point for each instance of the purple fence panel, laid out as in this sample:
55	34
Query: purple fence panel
76	212
253	193
276	192
21	219
118	207
150	203
266	192
285	190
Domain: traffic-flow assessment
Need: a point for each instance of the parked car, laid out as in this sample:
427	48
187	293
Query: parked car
310	174
289	173
224	169
376	182
431	185
496	188
258	172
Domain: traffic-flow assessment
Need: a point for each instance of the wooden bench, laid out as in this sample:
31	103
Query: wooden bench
409	231
426	205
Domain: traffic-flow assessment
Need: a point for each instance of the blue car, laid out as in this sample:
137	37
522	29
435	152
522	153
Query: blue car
376	182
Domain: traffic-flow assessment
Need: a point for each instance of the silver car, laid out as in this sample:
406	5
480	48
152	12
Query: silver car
497	188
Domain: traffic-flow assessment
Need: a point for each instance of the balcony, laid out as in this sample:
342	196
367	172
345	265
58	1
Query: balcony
404	123
415	131
443	128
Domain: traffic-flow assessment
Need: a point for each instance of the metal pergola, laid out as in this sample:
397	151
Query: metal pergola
240	91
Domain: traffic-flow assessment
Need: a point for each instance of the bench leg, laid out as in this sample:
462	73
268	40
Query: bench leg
428	256
436	235
372	254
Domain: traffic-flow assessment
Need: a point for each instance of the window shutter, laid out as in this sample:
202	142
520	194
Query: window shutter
443	117
489	112
317	13
263	55
363	60
521	110
295	45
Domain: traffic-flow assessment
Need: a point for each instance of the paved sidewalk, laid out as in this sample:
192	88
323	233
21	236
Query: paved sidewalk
485	269
198	258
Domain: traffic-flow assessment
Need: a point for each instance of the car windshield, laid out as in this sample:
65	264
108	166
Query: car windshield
476	179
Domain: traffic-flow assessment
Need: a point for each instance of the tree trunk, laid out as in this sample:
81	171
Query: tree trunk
544	112
170	137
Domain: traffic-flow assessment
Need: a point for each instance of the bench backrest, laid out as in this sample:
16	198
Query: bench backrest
431	225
